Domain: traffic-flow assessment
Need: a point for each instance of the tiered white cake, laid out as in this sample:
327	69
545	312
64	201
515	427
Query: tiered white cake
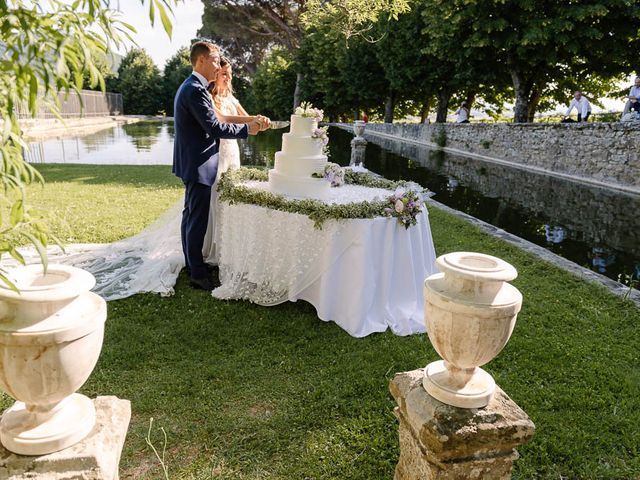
300	158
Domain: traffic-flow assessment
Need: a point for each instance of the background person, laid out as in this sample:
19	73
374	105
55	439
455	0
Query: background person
633	102
582	105
462	113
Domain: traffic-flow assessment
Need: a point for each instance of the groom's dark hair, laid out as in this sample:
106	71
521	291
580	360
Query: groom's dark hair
201	48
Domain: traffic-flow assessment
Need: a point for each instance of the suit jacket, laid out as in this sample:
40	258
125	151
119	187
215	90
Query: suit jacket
198	133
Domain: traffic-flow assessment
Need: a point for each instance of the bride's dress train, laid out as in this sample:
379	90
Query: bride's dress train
149	261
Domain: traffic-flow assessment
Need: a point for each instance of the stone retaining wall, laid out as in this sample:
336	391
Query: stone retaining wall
586	211
605	152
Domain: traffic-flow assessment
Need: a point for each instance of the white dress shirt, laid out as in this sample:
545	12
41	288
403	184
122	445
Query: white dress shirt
635	92
200	77
582	106
463	114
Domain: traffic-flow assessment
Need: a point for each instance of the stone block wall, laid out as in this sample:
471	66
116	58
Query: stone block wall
606	152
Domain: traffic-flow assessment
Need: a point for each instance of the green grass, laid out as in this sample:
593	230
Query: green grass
249	392
99	203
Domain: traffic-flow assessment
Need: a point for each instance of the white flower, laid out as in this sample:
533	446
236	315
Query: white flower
299	111
399	206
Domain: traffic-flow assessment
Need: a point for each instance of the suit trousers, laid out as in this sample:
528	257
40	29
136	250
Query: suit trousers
195	215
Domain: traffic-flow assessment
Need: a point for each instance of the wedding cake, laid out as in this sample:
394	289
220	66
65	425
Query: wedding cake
301	158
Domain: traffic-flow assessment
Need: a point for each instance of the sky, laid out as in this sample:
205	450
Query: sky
186	22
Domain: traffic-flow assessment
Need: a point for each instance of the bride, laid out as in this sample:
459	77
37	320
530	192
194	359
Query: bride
228	110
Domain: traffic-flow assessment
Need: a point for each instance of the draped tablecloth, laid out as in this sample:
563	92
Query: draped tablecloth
366	275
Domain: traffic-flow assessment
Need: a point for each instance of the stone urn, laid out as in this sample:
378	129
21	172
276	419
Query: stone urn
51	335
470	312
358	127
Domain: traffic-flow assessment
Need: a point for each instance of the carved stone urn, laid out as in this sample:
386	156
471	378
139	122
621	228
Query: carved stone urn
51	335
470	312
358	127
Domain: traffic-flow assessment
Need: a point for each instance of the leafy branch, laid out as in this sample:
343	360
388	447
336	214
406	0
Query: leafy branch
46	55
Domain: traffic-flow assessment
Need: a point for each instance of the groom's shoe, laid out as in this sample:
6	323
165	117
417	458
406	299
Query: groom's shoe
210	268
204	283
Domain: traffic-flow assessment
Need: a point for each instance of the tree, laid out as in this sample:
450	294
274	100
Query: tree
250	28
44	52
538	43
234	30
272	86
353	18
177	68
267	23
140	83
343	77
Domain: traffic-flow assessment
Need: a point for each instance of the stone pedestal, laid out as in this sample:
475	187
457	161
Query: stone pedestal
439	441
358	148
95	458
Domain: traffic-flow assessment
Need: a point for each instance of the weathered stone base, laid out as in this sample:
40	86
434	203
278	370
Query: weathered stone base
95	458
442	442
358	149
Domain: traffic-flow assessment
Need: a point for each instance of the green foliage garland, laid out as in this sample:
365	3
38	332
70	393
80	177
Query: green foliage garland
231	190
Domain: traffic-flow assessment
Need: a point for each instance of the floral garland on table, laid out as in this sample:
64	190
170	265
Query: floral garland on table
231	190
332	173
405	206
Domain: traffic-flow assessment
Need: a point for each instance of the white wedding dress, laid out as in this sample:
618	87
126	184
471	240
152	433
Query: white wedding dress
151	260
228	159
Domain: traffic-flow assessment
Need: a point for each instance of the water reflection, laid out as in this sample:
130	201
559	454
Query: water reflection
143	143
555	233
143	135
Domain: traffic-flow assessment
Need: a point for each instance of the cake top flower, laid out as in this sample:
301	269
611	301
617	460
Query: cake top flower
306	110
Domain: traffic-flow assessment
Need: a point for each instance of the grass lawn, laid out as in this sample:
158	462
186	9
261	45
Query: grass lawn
248	392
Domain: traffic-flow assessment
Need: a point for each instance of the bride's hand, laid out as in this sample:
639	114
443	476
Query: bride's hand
265	122
254	127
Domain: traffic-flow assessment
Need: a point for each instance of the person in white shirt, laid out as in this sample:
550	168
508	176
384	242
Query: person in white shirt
633	103
582	105
462	114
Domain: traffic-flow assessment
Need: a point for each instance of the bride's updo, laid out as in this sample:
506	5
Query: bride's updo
213	88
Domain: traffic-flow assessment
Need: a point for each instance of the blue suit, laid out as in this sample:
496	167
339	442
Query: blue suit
195	161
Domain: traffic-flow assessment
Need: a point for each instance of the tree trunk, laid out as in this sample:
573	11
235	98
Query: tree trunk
356	114
534	101
443	106
298	91
426	108
389	107
522	89
471	97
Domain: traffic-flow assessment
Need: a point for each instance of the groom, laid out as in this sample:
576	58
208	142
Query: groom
195	154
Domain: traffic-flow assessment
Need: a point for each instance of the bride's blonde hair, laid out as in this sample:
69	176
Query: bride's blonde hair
213	89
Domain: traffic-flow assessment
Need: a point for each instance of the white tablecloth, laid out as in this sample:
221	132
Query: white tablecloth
365	275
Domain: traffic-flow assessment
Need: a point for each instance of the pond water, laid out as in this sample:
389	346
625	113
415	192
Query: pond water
594	227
